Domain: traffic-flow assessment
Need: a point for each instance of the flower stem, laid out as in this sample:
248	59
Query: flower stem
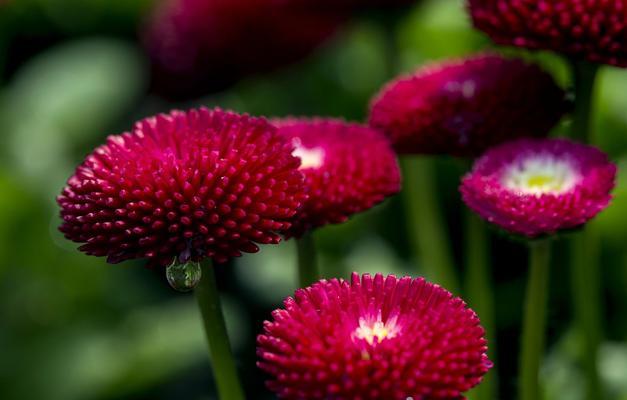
224	370
584	75
307	260
534	321
587	304
586	280
389	21
426	224
480	294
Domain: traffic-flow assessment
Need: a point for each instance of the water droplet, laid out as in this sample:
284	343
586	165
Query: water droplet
183	277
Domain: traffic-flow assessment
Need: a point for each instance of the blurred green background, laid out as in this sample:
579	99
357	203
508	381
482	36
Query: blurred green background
74	328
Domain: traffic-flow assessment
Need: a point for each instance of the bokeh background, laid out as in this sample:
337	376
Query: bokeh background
74	328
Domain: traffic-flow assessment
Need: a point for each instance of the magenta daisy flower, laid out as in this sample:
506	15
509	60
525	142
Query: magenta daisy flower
200	45
536	187
592	30
187	185
464	107
373	338
348	168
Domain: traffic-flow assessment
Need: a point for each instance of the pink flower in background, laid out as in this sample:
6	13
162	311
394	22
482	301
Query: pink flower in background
373	338
592	30
202	183
463	107
201	45
534	187
348	168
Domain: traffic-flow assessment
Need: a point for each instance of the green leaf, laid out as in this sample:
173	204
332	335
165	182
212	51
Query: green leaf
65	99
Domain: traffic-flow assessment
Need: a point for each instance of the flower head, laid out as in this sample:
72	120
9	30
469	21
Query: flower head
534	187
202	183
463	107
373	338
592	30
200	45
348	169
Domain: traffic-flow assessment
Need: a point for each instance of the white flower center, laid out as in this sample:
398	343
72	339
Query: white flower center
467	88
375	330
309	157
540	175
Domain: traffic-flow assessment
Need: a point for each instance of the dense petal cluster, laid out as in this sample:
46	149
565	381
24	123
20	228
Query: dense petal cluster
373	338
465	106
535	187
200	45
592	30
348	169
202	183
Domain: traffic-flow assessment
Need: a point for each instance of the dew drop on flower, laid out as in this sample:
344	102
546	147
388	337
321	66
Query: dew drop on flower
183	277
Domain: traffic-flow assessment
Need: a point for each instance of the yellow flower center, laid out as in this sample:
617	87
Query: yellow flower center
542	180
375	331
540	175
309	158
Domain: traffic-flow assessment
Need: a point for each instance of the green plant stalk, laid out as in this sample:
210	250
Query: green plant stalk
224	370
584	75
426	226
307	260
586	286
585	265
480	294
388	21
534	320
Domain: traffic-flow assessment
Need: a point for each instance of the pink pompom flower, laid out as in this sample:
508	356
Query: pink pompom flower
348	168
591	30
373	338
186	185
535	187
465	106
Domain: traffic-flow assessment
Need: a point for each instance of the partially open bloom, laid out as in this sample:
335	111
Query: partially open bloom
201	45
373	338
187	185
592	30
535	187
348	169
463	107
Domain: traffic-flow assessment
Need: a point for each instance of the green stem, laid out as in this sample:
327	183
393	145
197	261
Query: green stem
586	296
307	261
224	370
426	224
584	74
586	280
389	21
534	321
480	293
